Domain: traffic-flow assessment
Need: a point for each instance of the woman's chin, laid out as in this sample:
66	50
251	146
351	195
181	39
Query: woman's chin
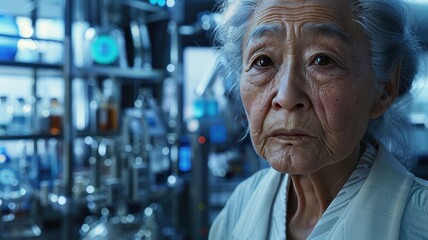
295	160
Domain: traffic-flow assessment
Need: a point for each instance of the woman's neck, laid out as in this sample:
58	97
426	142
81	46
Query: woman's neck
310	195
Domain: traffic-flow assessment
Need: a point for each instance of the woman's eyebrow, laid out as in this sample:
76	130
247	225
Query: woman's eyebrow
265	29
328	29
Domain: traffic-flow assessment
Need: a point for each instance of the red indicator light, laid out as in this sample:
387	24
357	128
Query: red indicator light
202	140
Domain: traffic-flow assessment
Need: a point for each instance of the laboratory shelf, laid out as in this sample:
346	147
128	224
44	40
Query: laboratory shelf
146	75
83	134
29	137
31	65
31	38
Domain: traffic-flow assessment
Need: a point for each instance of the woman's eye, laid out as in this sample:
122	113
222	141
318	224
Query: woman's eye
263	61
323	60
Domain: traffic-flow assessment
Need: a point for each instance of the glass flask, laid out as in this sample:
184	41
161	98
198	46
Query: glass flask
21	118
6	111
55	116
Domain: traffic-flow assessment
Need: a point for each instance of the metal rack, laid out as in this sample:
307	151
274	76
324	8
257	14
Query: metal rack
152	76
69	71
31	65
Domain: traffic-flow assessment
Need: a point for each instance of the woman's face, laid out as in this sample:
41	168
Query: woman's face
306	83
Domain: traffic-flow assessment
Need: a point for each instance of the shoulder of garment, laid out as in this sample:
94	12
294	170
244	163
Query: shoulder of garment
227	219
414	223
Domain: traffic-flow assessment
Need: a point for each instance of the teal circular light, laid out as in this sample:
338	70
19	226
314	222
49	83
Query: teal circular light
162	3
153	2
7	176
104	50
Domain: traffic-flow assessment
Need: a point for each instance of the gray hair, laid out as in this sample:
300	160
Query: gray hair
389	30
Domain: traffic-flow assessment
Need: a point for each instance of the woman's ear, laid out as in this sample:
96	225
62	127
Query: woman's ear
387	94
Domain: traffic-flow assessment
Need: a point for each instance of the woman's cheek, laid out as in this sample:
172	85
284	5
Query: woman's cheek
326	94
251	97
247	97
338	120
344	111
254	101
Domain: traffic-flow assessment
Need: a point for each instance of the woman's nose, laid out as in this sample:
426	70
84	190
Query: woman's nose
290	91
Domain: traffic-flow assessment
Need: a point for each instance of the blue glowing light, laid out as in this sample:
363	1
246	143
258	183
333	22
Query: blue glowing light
162	3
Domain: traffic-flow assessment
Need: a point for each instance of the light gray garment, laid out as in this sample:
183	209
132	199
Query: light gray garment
390	197
336	208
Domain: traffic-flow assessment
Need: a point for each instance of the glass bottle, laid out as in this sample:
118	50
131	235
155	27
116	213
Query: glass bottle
6	111
21	119
4	156
55	116
108	114
105	43
108	110
113	113
41	118
94	96
102	116
147	103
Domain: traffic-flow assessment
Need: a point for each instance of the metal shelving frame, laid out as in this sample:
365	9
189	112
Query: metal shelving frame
146	76
31	65
69	71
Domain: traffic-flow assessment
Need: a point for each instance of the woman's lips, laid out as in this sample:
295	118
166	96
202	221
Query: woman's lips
291	136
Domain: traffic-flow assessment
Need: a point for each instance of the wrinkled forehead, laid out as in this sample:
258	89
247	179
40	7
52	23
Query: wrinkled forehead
337	14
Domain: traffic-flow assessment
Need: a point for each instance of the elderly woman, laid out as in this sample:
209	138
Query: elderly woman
321	82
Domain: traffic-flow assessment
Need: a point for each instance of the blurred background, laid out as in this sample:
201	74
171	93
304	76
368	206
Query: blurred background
116	123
